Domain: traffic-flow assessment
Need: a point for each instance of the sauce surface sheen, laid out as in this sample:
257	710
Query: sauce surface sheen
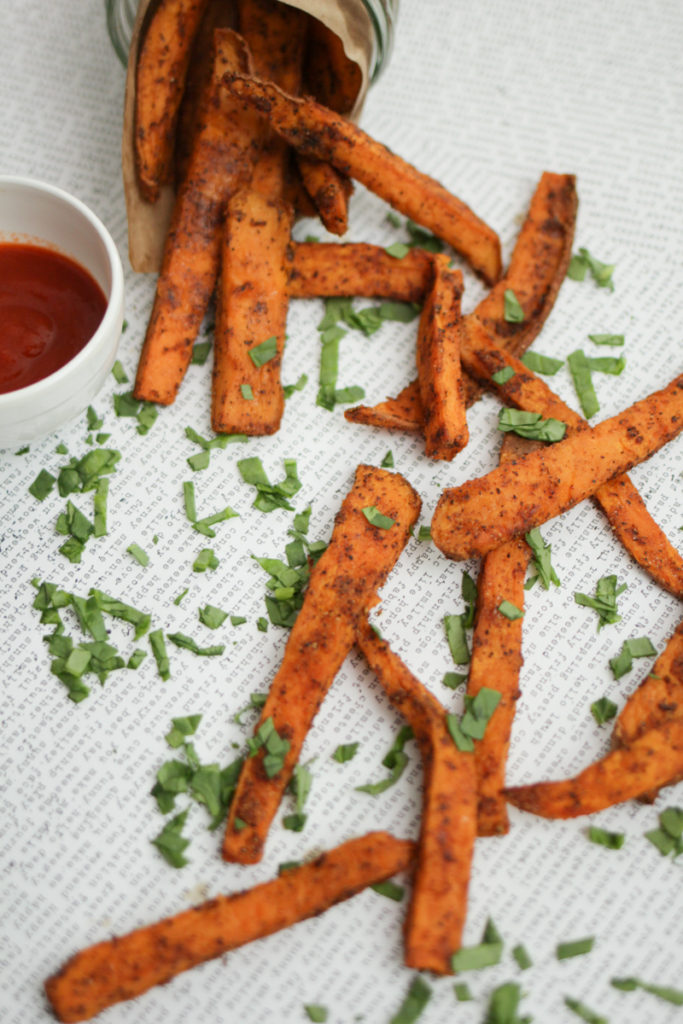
50	307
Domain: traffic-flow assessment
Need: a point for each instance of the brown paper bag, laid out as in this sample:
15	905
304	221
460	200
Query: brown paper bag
148	222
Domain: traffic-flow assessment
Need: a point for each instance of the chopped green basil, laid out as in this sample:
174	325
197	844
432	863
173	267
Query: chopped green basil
316	1012
395	760
398	250
158	645
603	710
388	461
263	353
414	1003
581	371
376	518
289	389
170	842
200	352
513	312
502	376
462	992
212	616
577	947
453	679
390	889
605	600
247	393
538	363
486	954
188	644
504	1003
670	995
524	961
584	1012
206	559
454	626
616	340
42	485
610	840
510	610
545	573
600	272
140	556
531	425
345	752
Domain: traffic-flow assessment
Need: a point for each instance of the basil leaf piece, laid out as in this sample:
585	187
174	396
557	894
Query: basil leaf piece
577	947
503	376
158	645
463	743
140	556
462	992
212	616
200	352
615	340
402	312
538	363
512	311
170	843
398	250
510	610
531	425
580	369
414	1003
584	1012
541	552
316	1012
182	727
390	889
42	485
118	372
605	600
289	389
188	644
503	1004
603	710
376	518
486	954
670	995
246	392
345	752
454	626
524	961
454	679
395	760
206	559
607	364
583	262
263	353
610	840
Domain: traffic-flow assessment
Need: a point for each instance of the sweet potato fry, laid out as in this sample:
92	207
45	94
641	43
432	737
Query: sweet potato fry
439	337
343	585
252	304
436	917
659	697
653	760
404	412
123	968
319	269
318	132
497	656
160	78
220	163
329	190
478	516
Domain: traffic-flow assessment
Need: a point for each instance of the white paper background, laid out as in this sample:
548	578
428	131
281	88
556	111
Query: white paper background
484	97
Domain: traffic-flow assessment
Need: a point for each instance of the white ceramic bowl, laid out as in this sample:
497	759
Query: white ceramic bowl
39	214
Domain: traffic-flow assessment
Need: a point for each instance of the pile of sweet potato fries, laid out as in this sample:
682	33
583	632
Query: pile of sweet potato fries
251	150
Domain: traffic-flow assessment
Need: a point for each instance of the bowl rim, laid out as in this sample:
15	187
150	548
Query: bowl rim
112	313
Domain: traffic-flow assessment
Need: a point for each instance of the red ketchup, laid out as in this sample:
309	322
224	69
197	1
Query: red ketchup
50	307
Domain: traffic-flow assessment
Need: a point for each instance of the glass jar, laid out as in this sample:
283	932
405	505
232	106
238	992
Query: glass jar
380	16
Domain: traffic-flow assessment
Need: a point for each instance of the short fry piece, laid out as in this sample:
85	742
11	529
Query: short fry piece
497	655
329	191
404	412
318	269
219	165
658	698
343	585
436	918
442	391
251	309
478	516
655	759
160	78
318	132
125	967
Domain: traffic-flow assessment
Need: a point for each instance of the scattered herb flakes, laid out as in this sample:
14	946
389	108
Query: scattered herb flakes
538	363
398	250
393	219
462	992
170	842
289	389
140	556
503	376
607	364
577	947
395	760
522	958
262	624
584	1012
158	645
670	995
605	600
468	589
510	610
23	450
403	312
200	352
238	824
463	743
668	838
531	425
616	340
276	747
136	658
414	1003
582	262
581	371
206	559
454	625
256	701
603	710
263	353
376	518
512	312
478	711
601	837
636	647
454	679
316	1012
100	507
486	954
294	822
503	1005
288	865
424	533
388	460
199	461
187	643
270	496
390	889
246	392
545	574
237	620
345	752
189	500
212	616
178	600
42	485
118	373
206	524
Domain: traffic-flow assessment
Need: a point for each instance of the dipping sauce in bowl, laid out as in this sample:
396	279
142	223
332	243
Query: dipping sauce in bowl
50	307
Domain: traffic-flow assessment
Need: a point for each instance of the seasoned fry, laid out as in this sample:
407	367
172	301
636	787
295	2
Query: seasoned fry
404	412
247	397
439	339
653	760
220	163
329	190
497	660
160	78
125	967
659	697
508	502
357	269
343	585
318	132
436	917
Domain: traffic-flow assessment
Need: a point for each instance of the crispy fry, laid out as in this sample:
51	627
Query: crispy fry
478	516
329	190
125	967
653	760
497	660
343	585
436	917
404	412
442	391
658	698
318	132
160	78
252	308
220	163
357	269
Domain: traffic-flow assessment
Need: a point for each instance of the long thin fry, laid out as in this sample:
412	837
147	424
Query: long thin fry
247	395
496	660
160	77
125	967
343	585
658	698
442	390
357	269
508	502
653	760
319	132
329	191
436	917
220	163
